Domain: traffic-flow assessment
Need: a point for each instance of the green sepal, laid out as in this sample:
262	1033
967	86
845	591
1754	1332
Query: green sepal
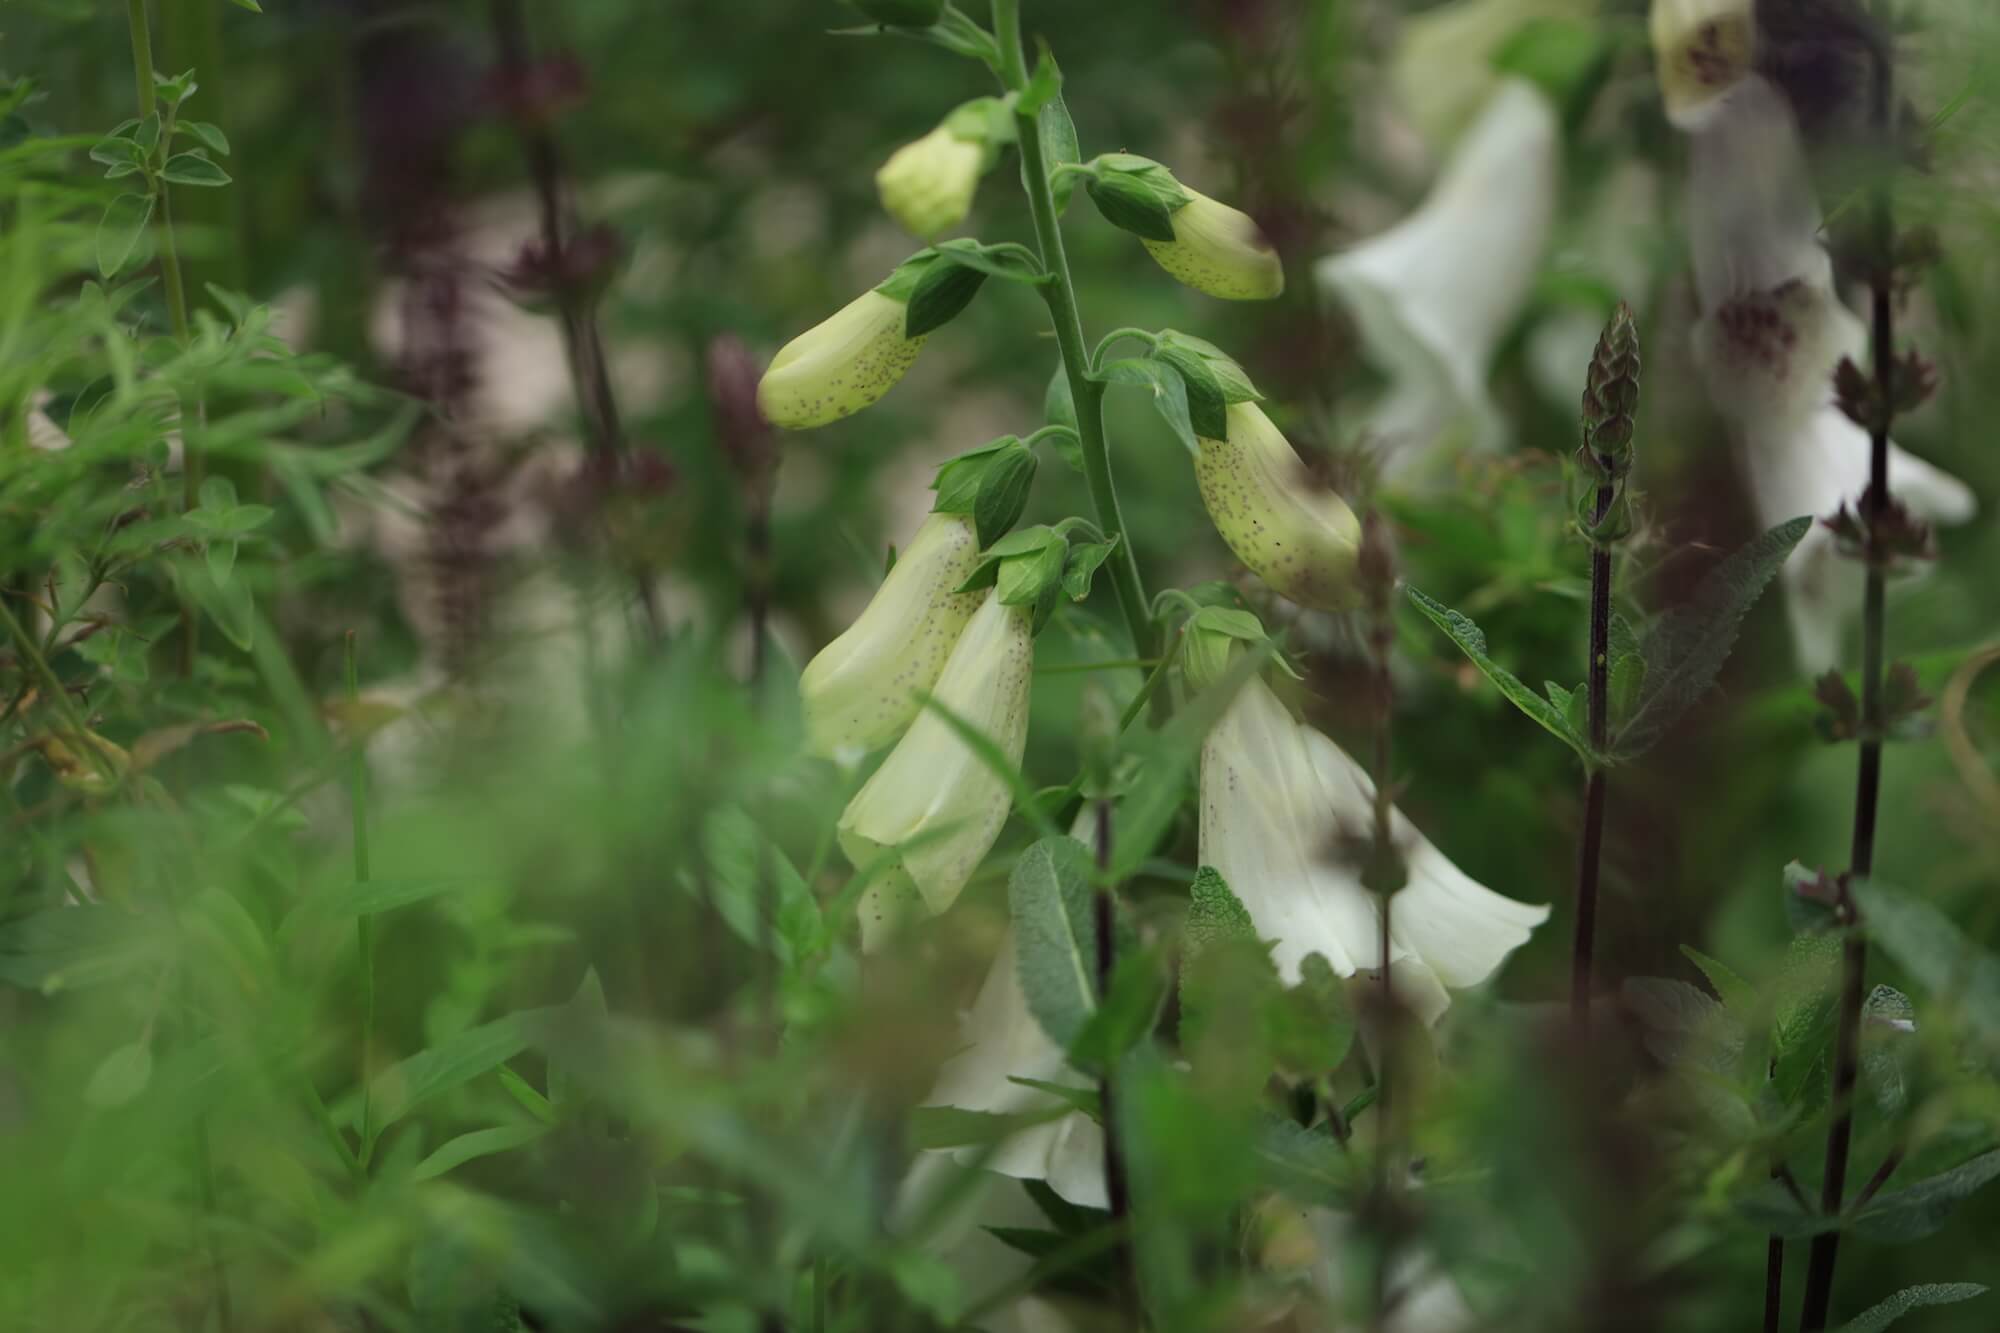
1082	564
1173	345
1003	492
958	479
987	121
1208	401
1136	194
1170	393
945	288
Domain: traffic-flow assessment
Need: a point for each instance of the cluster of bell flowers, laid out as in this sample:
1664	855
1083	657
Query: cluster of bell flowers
1772	327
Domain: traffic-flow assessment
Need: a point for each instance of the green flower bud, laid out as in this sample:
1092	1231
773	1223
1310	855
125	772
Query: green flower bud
838	366
928	185
861	690
1702	49
1611	395
1292	532
1212	638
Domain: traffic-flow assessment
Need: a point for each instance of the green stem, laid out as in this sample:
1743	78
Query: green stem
364	925
1060	293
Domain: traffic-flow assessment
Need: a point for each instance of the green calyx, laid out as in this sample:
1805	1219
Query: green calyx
1038	567
1135	194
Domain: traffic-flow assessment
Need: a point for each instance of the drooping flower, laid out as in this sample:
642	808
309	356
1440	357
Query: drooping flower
934	803
861	690
840	365
1701	49
1771	332
1293	531
1220	251
928	185
1441	70
1277	797
1434	294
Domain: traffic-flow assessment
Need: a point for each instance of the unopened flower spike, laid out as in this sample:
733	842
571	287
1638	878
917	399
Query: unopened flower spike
1701	49
1201	242
928	185
1611	397
1292	531
864	688
1277	800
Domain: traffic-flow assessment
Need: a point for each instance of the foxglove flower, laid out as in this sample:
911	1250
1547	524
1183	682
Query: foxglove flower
1701	50
1003	1042
934	803
840	365
1277	797
860	691
1220	251
1441	70
1434	294
1292	531
928	185
1771	333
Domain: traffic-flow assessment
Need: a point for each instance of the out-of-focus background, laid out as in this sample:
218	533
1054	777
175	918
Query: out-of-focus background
385	205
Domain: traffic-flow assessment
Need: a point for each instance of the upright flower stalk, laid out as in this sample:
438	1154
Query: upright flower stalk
1610	396
1060	292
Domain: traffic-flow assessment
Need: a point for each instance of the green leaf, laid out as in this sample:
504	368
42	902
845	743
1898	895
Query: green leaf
1130	204
1926	943
1888	1023
531	1101
1472	642
369	897
1055	932
1025	580
454	1153
452	1063
117	150
1082	565
958	479
1057	133
945	289
1236	385
1685	650
1059	406
1802	1035
1922	1209
211	136
193	169
1002	493
1208	403
1879	1317
221	558
119	230
1130	1010
1312	1024
1170	393
120	1076
1738	996
250	5
1215	914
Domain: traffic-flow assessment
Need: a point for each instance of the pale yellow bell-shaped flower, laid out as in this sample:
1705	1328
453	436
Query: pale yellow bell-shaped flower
1434	295
838	366
1701	49
1220	251
1771	332
1441	67
1294	532
934	798
928	185
1276	799
861	690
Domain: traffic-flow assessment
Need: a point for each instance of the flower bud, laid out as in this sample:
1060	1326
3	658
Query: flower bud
1611	396
933	801
838	366
861	690
1701	49
1219	250
1211	640
928	185
1293	532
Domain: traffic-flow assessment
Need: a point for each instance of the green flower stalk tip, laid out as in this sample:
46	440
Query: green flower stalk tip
1293	532
1220	251
933	795
1701	49
839	366
928	186
1611	395
863	689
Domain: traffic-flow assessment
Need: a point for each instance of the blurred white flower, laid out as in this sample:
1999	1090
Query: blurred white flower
933	798
1292	530
1434	295
1614	246
861	690
1441	68
1220	251
1701	49
1771	332
840	365
928	185
1276	799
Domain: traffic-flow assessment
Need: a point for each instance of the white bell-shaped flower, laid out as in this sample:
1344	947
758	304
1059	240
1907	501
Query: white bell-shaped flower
1292	530
1701	50
840	365
934	802
1771	333
1434	295
861	690
1441	68
1276	798
1220	251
